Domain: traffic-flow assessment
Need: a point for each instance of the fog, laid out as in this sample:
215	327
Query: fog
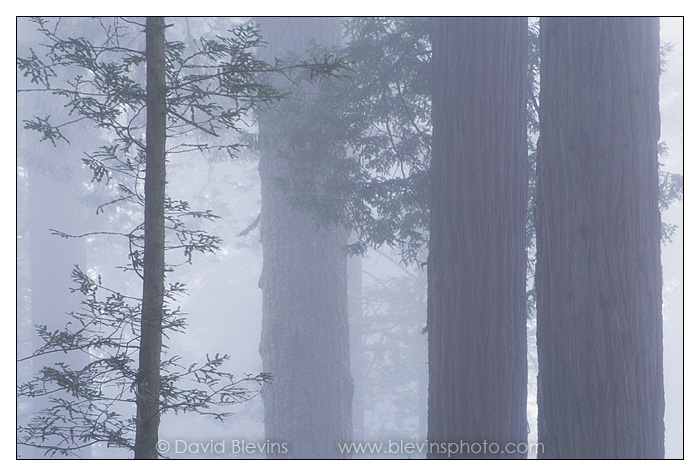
386	341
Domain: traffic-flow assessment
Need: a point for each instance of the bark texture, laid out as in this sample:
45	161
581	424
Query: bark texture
598	279
477	260
148	379
305	335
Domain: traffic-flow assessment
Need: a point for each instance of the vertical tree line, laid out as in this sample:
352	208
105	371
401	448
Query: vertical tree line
352	156
598	276
88	400
305	330
148	379
476	263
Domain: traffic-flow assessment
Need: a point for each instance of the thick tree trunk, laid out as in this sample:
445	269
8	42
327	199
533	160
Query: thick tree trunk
305	337
598	274
477	260
148	395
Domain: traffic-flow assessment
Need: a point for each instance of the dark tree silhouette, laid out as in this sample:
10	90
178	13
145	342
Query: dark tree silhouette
148	379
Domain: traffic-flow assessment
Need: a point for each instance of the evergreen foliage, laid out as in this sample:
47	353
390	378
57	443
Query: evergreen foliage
213	83
377	184
381	188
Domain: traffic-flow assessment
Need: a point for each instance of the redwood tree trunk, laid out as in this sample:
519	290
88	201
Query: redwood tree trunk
477	260
598	279
148	379
305	336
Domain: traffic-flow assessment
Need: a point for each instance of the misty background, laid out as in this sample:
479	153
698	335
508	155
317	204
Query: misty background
224	301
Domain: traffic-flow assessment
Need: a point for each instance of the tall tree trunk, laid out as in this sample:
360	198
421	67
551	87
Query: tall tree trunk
598	278
148	395
477	260
305	337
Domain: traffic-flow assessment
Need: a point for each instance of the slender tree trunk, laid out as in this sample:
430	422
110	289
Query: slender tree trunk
357	351
477	260
598	279
148	395
305	336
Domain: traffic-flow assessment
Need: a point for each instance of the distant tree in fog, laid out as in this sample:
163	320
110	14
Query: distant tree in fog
305	330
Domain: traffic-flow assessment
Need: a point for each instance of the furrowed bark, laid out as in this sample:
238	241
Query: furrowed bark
598	278
477	261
